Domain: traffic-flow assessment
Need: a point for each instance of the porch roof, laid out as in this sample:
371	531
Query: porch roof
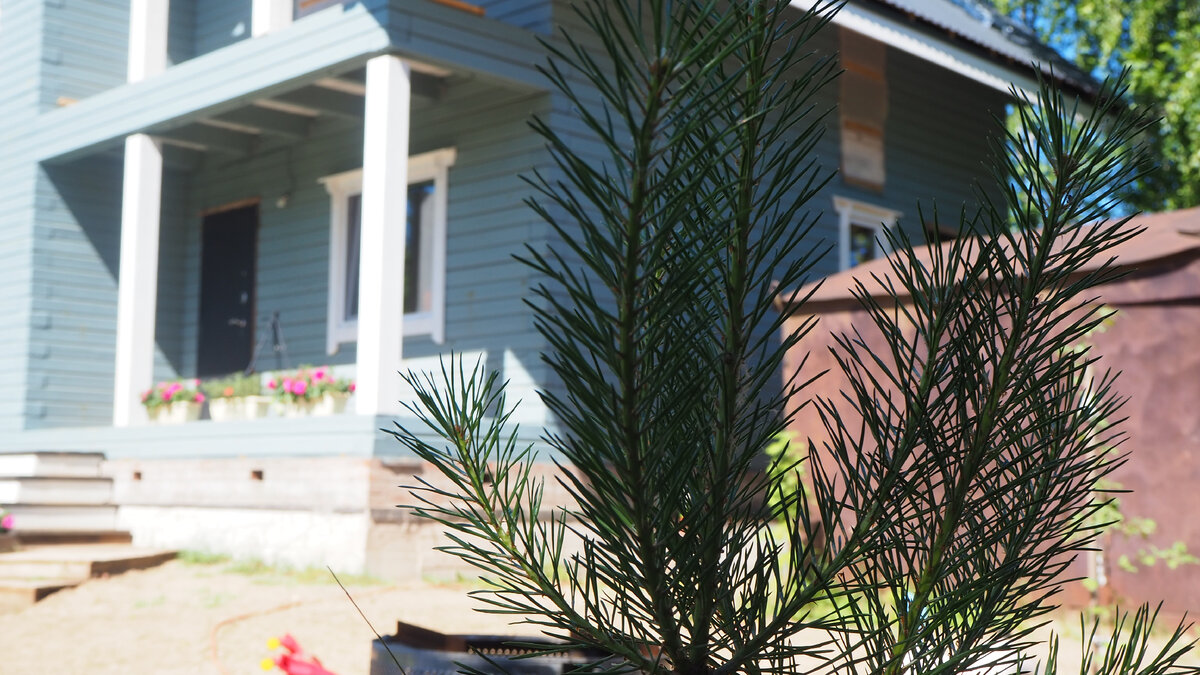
276	84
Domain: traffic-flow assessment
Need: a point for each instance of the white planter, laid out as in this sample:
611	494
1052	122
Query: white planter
330	404
238	408
294	408
178	412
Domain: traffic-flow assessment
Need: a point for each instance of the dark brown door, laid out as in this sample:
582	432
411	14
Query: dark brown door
228	260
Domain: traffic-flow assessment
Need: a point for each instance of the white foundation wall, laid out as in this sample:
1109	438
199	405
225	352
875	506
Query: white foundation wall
290	538
294	511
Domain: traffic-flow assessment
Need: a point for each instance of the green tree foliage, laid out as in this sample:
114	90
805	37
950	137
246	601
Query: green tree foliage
1159	42
949	501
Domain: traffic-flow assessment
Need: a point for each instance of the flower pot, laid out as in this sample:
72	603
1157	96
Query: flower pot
8	542
178	412
238	408
330	404
300	408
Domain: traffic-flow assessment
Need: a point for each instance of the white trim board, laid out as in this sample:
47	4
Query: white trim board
430	166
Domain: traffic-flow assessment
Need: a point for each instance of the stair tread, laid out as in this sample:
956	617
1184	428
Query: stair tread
25	583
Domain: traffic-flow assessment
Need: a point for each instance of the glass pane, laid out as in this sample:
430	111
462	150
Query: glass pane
862	244
353	227
418	280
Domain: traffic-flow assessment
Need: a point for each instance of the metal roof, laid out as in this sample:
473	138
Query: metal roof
977	23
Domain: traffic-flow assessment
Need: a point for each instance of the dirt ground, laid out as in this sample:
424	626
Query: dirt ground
187	618
168	620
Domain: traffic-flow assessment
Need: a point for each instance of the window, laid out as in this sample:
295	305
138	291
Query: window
424	252
860	231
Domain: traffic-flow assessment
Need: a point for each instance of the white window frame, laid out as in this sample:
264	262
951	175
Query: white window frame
854	212
430	166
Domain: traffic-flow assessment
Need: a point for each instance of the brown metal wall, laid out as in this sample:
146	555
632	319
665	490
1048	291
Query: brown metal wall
1155	341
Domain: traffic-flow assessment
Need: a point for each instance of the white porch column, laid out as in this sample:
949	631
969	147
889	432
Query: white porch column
147	38
137	284
137	287
267	16
382	239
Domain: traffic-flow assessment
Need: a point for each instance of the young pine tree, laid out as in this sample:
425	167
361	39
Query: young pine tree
953	492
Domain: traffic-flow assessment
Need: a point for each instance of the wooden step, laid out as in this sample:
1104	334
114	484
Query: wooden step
51	464
77	561
17	594
55	490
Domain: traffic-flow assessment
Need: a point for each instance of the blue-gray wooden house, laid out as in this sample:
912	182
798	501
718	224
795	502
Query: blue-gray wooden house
176	173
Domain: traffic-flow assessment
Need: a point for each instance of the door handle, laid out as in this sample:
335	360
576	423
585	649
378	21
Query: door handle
240	323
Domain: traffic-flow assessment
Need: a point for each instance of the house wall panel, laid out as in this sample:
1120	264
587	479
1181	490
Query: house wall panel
531	14
20	52
77	259
86	46
181	30
219	23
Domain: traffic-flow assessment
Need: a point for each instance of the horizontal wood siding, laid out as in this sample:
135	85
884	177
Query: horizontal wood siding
76	261
181	31
530	14
85	49
219	23
20	54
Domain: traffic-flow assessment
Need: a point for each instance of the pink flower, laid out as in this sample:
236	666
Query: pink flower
6	523
199	397
272	384
351	388
166	395
320	374
299	387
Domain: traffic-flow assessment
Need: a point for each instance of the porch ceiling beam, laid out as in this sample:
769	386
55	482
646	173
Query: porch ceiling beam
269	122
327	101
425	85
223	141
343	85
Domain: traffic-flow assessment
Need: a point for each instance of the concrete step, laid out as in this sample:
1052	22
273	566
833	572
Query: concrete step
17	594
63	517
55	490
50	464
76	561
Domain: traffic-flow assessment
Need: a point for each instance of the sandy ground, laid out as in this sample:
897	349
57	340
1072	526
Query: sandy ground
215	618
167	620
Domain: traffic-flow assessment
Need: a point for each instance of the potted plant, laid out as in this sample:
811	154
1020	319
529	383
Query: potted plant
174	402
311	391
236	397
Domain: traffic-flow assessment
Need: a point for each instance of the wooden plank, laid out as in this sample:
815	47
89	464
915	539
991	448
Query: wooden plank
325	100
224	141
265	121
